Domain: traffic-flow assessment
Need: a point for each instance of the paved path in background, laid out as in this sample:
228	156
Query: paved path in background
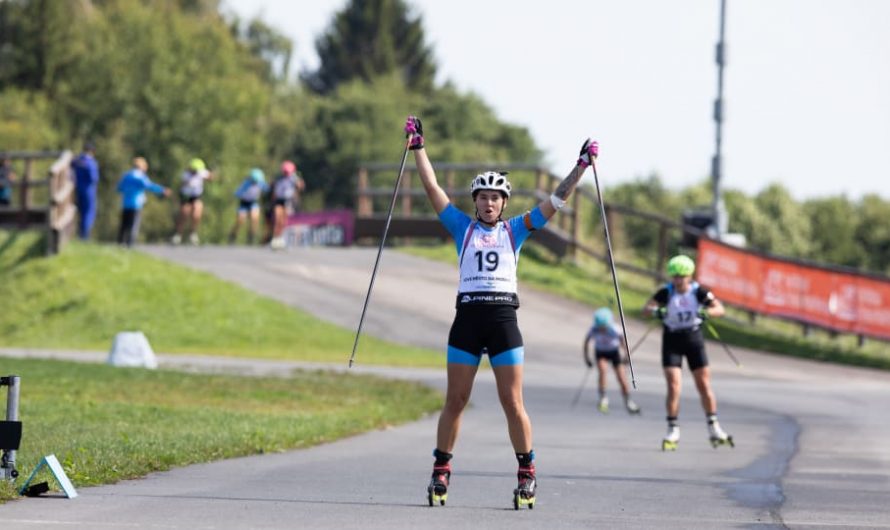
812	438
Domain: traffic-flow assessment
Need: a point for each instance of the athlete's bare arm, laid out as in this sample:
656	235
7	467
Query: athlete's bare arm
438	197
563	191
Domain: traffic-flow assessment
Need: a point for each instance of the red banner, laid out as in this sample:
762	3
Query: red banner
846	302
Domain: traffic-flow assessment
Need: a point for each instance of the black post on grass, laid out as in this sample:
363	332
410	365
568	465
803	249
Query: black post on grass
10	429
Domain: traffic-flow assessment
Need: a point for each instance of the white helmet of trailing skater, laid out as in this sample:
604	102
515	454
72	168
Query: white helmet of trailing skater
491	180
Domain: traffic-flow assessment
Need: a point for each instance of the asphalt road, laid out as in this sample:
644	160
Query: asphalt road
811	438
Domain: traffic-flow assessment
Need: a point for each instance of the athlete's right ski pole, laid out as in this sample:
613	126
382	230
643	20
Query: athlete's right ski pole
392	205
599	196
725	346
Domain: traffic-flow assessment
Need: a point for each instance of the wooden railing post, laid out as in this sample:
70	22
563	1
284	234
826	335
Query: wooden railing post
365	202
575	224
62	210
610	220
541	180
449	182
406	193
25	193
662	250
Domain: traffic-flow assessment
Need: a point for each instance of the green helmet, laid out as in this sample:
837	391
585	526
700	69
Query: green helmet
680	266
196	164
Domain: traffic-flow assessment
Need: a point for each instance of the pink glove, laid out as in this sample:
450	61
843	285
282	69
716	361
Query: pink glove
415	127
589	151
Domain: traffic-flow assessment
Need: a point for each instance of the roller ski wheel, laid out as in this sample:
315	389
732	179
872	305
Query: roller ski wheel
519	501
524	494
718	436
717	442
671	439
437	491
603	405
667	445
632	408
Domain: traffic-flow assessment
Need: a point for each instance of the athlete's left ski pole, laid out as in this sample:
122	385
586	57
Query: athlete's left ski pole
581	388
599	196
641	339
725	346
392	205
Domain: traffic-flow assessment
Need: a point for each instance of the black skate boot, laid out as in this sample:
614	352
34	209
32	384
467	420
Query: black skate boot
524	494
437	492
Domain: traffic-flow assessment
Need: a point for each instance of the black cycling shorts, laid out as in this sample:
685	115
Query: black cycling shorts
609	355
493	328
675	345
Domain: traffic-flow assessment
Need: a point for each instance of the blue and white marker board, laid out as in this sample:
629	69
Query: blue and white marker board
56	469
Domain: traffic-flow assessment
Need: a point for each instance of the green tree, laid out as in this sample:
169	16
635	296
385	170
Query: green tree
39	44
369	38
272	48
362	122
873	233
25	122
745	217
791	230
833	222
647	194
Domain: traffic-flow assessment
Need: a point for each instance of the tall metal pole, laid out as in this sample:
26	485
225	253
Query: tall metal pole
721	221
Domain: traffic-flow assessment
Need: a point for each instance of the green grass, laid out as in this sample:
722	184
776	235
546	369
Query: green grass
80	299
107	424
591	283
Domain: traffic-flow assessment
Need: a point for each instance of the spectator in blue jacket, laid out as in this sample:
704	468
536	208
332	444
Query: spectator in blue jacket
85	171
132	187
7	178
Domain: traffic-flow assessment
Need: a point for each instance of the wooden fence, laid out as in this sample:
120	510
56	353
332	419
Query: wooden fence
46	203
563	236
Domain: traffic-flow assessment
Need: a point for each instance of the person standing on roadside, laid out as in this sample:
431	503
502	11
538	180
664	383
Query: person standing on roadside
485	321
132	187
86	186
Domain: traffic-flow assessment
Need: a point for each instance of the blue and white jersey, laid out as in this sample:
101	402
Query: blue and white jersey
251	190
286	187
193	182
488	256
605	338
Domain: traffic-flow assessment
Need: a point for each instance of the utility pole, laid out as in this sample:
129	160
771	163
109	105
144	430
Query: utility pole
721	220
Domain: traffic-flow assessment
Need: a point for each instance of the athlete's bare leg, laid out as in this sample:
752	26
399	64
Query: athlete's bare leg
702	378
460	385
673	376
509	382
602	367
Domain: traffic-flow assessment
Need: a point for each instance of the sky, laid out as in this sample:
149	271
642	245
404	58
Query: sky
806	83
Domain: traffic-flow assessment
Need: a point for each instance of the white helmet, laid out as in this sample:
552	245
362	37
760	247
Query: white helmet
491	180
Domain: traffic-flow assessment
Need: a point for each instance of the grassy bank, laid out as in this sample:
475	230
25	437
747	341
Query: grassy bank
107	424
80	299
